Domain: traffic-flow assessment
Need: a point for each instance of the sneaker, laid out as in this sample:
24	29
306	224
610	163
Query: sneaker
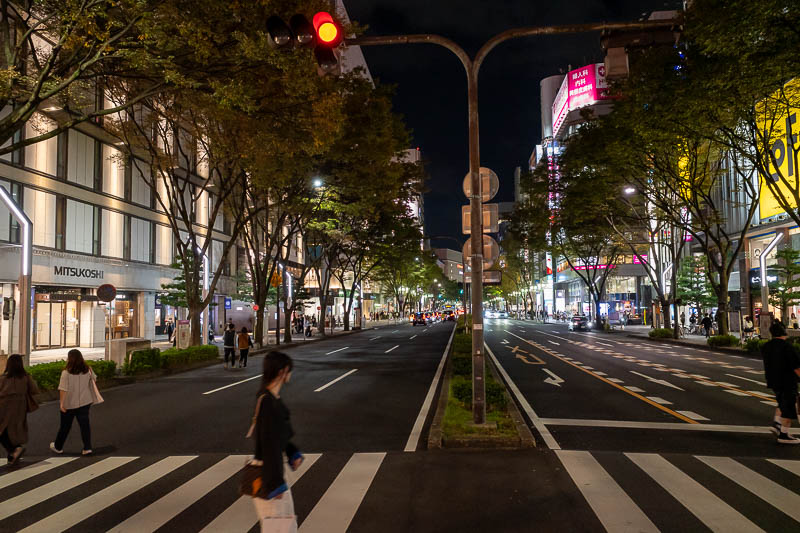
785	438
776	428
15	455
86	452
54	449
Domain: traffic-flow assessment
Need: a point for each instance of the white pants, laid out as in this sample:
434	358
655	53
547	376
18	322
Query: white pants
276	515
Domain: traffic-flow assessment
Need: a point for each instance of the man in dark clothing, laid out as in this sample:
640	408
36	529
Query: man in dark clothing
782	369
229	344
707	323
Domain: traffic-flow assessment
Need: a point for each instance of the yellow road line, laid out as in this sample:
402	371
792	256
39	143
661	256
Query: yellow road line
620	387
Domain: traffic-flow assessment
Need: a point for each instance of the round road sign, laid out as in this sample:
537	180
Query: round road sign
491	251
490	184
106	293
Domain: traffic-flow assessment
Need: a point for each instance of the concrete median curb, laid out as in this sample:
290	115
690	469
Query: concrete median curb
718	349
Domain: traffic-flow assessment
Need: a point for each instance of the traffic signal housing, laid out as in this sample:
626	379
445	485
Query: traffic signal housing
323	33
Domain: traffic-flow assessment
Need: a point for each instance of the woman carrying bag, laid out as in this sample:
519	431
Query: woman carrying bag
244	342
78	391
263	477
17	389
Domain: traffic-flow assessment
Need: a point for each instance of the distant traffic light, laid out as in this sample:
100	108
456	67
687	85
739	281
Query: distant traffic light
323	33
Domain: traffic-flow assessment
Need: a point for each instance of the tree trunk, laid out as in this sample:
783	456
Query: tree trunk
597	317
259	328
722	311
277	315
323	313
665	311
197	338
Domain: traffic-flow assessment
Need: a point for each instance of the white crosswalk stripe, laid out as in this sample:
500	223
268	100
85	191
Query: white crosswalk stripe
190	486
620	511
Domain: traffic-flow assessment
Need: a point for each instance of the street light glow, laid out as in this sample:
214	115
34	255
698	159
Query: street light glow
317	183
629	190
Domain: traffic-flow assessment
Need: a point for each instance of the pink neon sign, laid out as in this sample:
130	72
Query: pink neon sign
581	87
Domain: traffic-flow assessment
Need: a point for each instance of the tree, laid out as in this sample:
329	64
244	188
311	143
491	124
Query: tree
785	294
692	283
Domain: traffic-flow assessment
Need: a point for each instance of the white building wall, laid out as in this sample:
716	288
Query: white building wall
140	240
41	209
41	156
113	227
80	226
80	159
113	172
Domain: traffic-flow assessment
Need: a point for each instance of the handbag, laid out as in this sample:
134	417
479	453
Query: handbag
251	482
96	393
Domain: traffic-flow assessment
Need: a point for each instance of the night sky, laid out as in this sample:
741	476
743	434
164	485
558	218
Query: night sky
431	84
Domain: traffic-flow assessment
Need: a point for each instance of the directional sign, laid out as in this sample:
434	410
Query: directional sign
553	379
490	184
491	251
490	219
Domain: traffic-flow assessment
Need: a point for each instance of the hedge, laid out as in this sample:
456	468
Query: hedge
154	359
723	340
48	375
462	391
462	343
754	345
661	333
462	366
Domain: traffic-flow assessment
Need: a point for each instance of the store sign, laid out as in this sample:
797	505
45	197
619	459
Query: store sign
755	279
73	272
581	87
228	303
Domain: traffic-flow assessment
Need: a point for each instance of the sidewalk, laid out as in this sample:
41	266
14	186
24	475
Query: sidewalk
161	342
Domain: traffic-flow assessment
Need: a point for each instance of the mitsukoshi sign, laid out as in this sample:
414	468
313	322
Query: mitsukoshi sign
581	87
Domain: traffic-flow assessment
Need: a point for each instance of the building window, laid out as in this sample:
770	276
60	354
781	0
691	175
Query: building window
97	230
18	155
98	166
61	156
61	221
126	237
9	226
81	227
114	241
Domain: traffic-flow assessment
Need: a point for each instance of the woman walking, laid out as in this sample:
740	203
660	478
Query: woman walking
16	400
273	431
77	391
244	342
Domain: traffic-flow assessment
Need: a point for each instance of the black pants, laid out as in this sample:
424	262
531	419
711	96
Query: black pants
230	352
6	442
82	414
243	356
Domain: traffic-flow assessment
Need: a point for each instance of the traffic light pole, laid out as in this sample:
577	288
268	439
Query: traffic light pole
472	68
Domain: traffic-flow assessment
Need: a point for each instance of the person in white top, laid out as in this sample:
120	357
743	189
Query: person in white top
77	392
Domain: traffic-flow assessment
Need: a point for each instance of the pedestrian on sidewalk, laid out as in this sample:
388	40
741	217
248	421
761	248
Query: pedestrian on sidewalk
707	323
273	432
244	342
17	389
77	391
171	332
782	369
229	344
794	321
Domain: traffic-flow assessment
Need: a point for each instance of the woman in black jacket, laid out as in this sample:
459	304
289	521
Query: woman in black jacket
273	433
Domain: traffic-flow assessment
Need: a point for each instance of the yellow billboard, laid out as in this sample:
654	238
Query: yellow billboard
777	118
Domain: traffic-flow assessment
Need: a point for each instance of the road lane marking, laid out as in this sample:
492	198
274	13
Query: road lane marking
766	489
660	400
335	380
395	331
337	507
612	505
232	384
620	387
791	466
416	430
693	415
241	517
635	424
736	392
168	507
654	380
91	505
553	379
615	380
50	490
710	509
373	338
554	342
412	337
339	350
535	420
605	344
747	379
35	469
392	348
636	389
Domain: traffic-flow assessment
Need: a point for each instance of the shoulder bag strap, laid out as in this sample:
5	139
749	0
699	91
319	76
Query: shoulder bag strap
255	416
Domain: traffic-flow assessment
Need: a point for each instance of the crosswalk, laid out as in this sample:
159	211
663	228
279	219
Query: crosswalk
172	493
648	492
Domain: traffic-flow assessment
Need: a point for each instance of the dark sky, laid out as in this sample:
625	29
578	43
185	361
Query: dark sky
431	84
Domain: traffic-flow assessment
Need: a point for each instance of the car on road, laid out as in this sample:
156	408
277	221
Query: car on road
449	315
579	322
419	318
490	313
502	314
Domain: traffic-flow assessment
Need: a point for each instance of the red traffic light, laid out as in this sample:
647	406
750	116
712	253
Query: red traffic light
328	31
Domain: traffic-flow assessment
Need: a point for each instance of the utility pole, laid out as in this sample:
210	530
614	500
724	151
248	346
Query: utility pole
472	68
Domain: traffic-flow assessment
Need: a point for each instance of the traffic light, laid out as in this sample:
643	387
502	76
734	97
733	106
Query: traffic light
323	33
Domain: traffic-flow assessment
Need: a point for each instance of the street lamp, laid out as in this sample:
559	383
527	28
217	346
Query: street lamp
629	190
317	183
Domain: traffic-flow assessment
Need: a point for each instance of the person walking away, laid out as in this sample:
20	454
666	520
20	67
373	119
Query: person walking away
782	369
273	433
77	391
244	342
794	321
229	344
171	332
17	389
706	323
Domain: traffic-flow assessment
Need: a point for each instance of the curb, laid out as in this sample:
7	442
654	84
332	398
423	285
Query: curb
526	438
718	349
435	433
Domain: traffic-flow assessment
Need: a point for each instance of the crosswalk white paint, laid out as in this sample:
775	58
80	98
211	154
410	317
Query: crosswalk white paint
54	488
163	510
337	507
692	415
701	502
77	512
33	470
766	489
613	507
241	517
